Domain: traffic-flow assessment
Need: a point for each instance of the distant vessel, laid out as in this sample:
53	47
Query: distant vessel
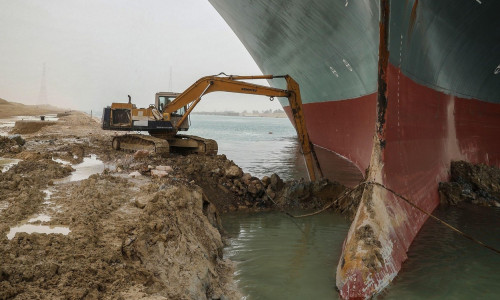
392	92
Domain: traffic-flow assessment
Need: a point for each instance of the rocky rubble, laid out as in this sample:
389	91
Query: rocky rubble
11	144
476	184
230	189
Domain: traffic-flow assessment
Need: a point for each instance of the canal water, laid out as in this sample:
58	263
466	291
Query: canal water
260	146
278	257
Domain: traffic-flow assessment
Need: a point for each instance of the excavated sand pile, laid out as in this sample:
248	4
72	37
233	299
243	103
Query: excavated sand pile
25	127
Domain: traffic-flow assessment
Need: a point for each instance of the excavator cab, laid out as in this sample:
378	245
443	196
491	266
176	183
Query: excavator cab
162	100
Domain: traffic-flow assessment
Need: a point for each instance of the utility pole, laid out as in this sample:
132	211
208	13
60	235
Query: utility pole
170	80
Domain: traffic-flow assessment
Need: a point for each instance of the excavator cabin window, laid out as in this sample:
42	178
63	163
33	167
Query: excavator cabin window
180	112
164	101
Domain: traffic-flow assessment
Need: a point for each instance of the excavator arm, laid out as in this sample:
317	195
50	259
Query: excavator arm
232	84
192	96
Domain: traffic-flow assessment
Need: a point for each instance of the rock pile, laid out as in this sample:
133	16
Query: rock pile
230	189
476	184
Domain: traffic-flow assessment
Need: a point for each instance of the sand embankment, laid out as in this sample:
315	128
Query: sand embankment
10	109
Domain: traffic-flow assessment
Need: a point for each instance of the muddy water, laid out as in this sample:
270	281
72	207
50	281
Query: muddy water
34	228
7	124
7	163
90	165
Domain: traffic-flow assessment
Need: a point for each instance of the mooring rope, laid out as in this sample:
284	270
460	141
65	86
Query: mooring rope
280	209
407	201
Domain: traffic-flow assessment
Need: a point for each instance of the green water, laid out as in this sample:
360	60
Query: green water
280	258
260	146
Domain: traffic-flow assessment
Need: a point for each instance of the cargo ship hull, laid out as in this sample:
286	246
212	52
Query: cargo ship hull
397	90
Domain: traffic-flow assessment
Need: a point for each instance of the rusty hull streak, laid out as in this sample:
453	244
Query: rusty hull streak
383	62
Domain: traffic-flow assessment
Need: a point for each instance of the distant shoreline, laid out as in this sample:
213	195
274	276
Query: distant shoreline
11	109
281	114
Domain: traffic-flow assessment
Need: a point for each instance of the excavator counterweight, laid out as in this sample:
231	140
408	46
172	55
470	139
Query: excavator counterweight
170	113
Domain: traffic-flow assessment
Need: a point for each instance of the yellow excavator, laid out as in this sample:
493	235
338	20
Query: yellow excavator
170	113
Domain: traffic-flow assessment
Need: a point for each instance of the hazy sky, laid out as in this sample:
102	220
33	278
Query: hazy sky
97	52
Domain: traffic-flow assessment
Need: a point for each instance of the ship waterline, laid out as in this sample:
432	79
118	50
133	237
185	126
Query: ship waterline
398	89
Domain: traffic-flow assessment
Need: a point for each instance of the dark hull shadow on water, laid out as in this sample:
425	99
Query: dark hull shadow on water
338	168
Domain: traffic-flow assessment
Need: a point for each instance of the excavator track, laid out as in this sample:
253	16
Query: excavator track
205	146
134	142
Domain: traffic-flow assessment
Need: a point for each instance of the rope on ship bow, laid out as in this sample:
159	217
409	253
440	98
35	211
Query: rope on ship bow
467	236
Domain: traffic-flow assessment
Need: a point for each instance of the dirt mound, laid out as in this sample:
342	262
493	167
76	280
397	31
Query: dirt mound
26	127
124	244
477	184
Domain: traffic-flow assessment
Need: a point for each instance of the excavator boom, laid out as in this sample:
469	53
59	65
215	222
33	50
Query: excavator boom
209	84
192	96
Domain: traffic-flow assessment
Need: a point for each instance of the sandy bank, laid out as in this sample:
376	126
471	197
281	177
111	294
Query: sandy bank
10	109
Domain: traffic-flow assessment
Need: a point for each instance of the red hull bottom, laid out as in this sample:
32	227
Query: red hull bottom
342	133
424	131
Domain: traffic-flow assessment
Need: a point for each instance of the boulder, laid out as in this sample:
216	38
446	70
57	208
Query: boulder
246	178
167	169
234	172
158	173
266	180
135	174
18	139
252	189
141	154
276	182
